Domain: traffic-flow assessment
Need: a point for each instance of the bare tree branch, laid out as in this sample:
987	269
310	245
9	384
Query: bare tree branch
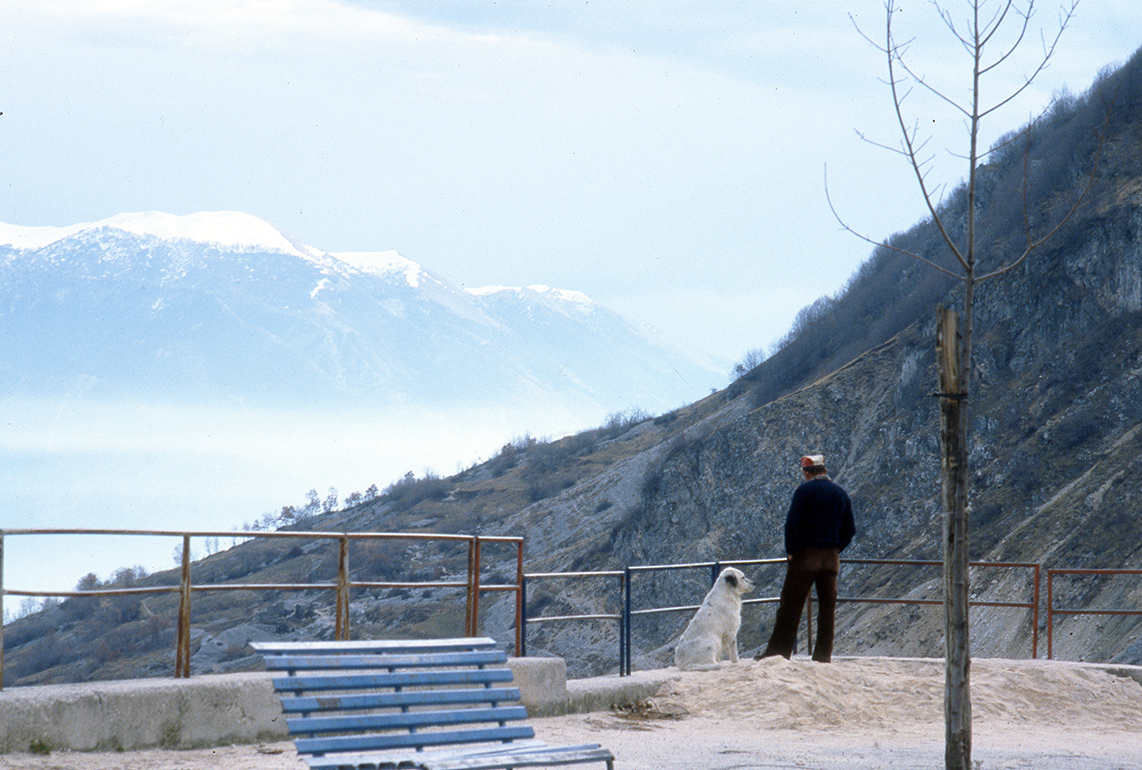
1048	53
950	23
995	26
881	244
956	347
978	38
909	143
930	88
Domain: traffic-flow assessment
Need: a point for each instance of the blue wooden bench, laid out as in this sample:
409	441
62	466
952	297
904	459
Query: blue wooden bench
443	704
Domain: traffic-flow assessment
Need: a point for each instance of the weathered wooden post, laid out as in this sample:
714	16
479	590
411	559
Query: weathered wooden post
957	681
341	623
182	656
519	599
477	549
468	608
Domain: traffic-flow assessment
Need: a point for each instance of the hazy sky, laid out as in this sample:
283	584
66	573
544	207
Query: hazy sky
665	157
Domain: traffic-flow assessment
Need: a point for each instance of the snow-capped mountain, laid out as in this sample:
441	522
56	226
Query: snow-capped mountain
224	305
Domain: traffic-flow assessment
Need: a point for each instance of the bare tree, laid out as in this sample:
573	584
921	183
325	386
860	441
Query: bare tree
754	358
989	32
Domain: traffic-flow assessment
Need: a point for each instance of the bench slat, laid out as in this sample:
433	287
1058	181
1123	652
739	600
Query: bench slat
374	646
518	754
406	679
386	661
382	741
396	758
404	720
551	755
311	703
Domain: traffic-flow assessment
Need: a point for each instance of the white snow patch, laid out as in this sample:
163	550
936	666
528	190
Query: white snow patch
382	263
564	295
484	291
21	237
321	286
224	228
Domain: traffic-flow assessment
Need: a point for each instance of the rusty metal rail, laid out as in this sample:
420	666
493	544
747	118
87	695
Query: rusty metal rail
1032	605
714	567
620	617
629	614
625	618
474	587
342	587
1052	611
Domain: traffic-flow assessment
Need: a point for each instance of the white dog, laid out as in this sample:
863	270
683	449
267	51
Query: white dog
713	631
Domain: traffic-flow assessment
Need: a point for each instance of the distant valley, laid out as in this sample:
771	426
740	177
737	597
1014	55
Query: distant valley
200	371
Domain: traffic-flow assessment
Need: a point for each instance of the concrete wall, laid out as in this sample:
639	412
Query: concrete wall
141	713
220	709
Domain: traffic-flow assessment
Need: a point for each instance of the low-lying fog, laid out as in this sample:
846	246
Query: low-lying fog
196	467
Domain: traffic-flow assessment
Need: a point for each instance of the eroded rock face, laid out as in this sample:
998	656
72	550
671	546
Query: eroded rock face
1055	452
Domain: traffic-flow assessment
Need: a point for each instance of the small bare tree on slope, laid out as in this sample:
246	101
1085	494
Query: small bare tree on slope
990	33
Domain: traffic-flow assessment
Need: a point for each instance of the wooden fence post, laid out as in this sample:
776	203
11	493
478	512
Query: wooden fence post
474	577
341	623
182	656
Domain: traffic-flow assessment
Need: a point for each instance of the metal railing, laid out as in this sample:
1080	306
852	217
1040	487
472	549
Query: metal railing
1032	605
715	568
625	618
619	617
474	587
1052	610
341	587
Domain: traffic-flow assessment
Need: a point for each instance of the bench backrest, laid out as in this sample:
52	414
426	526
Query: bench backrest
389	695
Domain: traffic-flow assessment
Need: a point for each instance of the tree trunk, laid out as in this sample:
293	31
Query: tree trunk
957	690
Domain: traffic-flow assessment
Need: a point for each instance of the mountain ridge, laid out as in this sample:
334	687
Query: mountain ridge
206	294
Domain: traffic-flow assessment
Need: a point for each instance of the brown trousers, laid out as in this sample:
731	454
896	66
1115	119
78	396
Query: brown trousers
806	568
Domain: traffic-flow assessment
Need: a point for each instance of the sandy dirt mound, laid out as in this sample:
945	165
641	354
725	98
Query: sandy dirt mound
886	694
870	714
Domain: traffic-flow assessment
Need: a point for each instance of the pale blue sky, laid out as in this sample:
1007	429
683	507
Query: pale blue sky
664	157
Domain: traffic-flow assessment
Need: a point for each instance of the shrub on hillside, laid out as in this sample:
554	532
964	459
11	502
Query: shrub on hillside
410	491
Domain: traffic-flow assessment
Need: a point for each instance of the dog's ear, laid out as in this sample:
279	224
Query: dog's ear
732	579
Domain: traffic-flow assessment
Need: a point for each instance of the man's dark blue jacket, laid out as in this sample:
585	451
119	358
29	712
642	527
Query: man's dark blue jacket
820	516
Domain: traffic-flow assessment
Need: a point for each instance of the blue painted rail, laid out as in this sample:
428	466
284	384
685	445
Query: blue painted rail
440	704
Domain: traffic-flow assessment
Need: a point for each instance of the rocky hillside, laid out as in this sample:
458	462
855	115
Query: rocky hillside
1056	453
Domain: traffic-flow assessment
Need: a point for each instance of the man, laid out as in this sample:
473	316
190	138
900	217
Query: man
818	527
